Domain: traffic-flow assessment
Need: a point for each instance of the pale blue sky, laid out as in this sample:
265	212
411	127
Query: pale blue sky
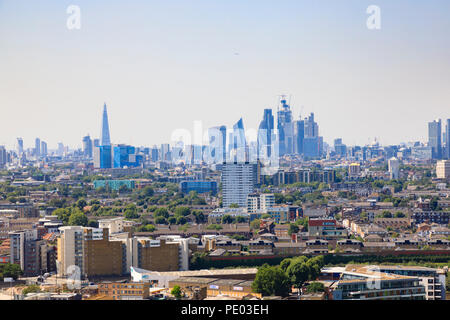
160	65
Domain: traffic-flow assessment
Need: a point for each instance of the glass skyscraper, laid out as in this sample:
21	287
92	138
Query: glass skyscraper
238	144
87	146
265	131
105	141
434	138
217	150
285	129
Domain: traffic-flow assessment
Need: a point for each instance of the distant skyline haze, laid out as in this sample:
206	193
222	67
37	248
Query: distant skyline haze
162	65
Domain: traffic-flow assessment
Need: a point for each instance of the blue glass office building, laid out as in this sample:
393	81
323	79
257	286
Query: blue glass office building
200	186
105	156
125	156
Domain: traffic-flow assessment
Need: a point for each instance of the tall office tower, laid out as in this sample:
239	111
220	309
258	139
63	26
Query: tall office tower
299	134
265	131
193	154
285	129
43	148
106	141
434	138
238	151
312	143
154	154
340	148
177	152
19	146
60	151
447	139
87	146
394	168
96	142
3	156
238	181
165	152
37	147
125	156
103	157
311	127
217	149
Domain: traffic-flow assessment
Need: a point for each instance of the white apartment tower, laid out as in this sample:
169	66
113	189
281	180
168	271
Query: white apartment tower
443	169
394	168
238	181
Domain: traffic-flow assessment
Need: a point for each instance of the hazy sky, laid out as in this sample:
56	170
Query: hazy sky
161	65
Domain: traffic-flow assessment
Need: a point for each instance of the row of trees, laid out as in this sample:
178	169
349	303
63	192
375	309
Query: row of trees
9	270
181	215
292	272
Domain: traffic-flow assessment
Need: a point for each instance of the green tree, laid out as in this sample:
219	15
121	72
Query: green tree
227	219
31	289
399	214
161	212
160	220
303	222
386	214
234	205
93	223
81	203
10	270
285	263
315	287
181	220
150	228
78	218
293	229
255	224
182	211
214	227
271	280
131	214
172	220
63	214
147	192
123	189
298	272
176	292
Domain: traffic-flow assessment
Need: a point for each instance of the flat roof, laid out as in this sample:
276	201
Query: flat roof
193	273
197	280
227	282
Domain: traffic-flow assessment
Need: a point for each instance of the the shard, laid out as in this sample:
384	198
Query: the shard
106	141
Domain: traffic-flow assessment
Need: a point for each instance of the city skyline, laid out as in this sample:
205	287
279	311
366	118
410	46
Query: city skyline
210	61
105	132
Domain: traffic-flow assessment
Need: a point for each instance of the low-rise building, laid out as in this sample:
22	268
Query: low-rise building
325	228
358	282
124	290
